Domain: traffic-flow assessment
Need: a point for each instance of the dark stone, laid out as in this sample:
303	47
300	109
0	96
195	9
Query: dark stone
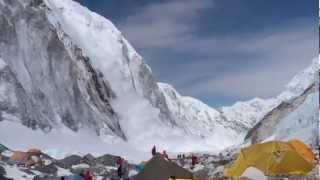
36	3
46	177
89	159
3	148
107	160
2	171
49	169
69	161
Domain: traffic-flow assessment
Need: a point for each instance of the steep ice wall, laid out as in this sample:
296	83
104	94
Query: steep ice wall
297	114
138	99
49	83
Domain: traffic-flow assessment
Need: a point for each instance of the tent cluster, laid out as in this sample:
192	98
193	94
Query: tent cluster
29	158
274	158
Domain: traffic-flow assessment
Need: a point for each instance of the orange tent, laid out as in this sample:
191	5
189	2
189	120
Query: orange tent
303	150
25	157
19	156
34	152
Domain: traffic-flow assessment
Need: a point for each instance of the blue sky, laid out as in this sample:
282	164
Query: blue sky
219	51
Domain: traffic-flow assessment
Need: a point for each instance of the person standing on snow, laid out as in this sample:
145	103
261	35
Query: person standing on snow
119	163
194	160
154	151
165	155
87	175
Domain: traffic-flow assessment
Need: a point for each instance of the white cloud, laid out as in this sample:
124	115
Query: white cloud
274	54
279	53
163	25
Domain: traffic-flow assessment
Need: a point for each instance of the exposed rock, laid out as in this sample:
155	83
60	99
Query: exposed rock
46	177
107	160
2	171
33	75
69	161
47	169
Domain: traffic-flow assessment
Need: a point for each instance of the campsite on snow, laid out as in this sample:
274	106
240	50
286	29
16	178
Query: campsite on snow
77	102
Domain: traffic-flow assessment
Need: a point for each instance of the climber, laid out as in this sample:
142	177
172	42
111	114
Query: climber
165	155
119	163
153	151
87	175
194	160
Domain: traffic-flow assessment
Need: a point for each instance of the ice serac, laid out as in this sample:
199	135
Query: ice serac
49	83
297	113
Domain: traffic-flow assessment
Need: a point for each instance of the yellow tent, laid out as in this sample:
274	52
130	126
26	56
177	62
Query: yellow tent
274	158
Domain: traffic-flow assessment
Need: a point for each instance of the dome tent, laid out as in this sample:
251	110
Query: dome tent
160	169
274	158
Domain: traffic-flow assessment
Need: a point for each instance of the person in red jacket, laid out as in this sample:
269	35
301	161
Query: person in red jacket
194	160
119	163
87	176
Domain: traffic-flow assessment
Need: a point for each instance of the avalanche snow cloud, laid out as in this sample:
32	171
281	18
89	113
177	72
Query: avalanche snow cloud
69	76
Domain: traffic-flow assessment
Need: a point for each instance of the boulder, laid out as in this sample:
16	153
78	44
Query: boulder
107	160
89	159
2	171
47	169
46	177
69	161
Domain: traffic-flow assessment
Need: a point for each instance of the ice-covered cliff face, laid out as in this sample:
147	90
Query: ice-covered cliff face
67	65
297	112
50	82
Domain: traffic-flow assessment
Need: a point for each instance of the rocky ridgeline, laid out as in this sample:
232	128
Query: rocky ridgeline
48	168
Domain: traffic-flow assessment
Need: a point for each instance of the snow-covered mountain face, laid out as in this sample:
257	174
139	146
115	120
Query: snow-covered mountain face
50	83
65	66
232	122
297	112
292	114
62	65
56	75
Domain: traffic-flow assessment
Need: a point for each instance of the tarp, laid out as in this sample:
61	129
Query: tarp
274	158
160	169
